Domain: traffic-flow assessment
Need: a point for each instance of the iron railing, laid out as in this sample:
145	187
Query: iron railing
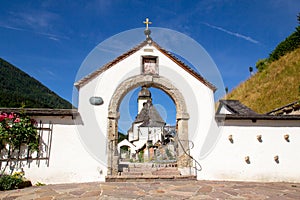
197	166
18	157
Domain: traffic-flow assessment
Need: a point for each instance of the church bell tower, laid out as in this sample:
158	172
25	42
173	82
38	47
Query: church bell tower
143	97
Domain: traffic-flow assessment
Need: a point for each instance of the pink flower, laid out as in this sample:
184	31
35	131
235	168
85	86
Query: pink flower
17	120
11	116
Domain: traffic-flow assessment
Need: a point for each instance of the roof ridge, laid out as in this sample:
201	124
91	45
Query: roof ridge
237	107
282	107
108	65
186	67
169	54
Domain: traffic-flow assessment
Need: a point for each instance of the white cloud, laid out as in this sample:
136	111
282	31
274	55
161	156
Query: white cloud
232	33
10	27
38	22
101	7
48	35
36	19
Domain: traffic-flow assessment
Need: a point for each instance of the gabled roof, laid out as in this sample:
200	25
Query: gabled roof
289	109
238	111
152	123
149	116
168	54
222	117
235	107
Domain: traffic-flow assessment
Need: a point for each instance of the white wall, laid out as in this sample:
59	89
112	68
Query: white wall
227	160
69	161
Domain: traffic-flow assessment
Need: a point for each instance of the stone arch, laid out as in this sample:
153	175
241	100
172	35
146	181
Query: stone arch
159	82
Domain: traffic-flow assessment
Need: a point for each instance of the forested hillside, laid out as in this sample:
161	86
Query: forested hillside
17	88
277	81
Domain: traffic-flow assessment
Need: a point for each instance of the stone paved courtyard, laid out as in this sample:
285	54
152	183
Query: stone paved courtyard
159	190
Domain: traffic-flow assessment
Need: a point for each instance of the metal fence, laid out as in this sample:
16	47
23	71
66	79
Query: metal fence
15	158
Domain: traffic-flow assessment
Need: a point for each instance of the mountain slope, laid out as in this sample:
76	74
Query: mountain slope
17	88
277	85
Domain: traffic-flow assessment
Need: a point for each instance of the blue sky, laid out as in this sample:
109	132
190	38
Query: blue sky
49	39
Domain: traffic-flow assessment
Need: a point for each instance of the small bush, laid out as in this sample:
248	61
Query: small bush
261	64
15	181
9	182
141	156
40	184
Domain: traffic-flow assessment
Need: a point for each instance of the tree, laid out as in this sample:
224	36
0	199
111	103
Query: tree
250	70
261	64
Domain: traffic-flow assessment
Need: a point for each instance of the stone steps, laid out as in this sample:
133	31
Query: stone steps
151	178
140	172
167	171
136	174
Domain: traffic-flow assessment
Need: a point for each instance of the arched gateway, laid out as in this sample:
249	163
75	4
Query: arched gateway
159	82
147	65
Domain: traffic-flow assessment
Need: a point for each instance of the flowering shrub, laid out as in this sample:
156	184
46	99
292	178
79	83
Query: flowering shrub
16	130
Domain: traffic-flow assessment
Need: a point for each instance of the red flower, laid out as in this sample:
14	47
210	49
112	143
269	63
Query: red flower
17	120
33	122
2	117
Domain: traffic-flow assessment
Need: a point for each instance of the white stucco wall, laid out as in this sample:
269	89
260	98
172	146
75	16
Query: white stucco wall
227	160
69	161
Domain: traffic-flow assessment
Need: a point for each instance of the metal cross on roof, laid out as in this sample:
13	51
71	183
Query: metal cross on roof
147	22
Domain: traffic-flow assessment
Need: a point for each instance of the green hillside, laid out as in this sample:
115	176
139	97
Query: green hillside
17	88
277	82
275	86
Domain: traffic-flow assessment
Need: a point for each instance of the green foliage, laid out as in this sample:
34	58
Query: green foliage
40	184
289	44
10	182
141	156
261	64
16	130
121	136
15	181
17	87
124	148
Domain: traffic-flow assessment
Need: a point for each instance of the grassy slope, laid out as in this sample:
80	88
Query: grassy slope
276	86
